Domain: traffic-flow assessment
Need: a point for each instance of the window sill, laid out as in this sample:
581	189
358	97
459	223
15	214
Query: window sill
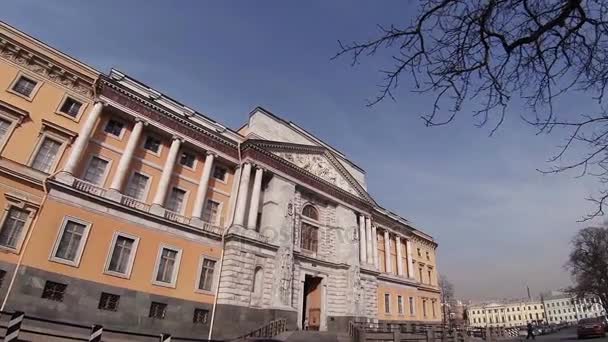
162	284
69	117
205	292
65	262
117	274
27	98
9	250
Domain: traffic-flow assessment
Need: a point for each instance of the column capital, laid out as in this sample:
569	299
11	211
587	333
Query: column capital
101	102
211	153
178	138
145	122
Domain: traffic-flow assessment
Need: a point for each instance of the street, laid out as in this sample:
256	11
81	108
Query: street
565	335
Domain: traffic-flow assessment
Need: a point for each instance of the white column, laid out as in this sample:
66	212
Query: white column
83	138
410	264
241	201
387	252
255	198
375	246
399	260
127	155
368	231
362	243
165	176
203	185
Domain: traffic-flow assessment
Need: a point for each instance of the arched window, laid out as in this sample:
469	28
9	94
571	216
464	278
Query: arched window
258	274
309	232
310	212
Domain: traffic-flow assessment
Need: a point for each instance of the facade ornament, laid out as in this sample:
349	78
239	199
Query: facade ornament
284	275
290	209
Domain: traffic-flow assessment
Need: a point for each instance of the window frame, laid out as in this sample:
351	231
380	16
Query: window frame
197	281
106	267
106	172
174	276
400	305
194	163
45	134
220	207
160	144
83	105
147	189
23	204
122	131
387	300
223	181
15	117
184	204
81	246
20	74
412	304
311	222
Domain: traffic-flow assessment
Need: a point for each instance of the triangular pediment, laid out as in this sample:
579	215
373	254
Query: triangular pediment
317	161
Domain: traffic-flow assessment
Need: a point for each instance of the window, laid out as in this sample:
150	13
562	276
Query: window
258	279
310	212
5	126
46	155
70	107
122	254
96	171
187	159
412	307
219	173
175	202
419	253
157	310
400	305
167	265
430	281
387	303
2	276
200	316
152	144
309	237
54	291
138	186
424	309
211	212
205	281
12	228
108	302
70	243
434	314
420	272
25	86
428	256
114	127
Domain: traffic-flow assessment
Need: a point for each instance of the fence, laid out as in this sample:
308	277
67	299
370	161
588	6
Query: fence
389	332
23	327
271	329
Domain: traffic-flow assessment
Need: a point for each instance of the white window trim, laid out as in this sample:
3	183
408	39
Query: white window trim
400	307
178	259
14	120
44	135
122	131
146	190
220	208
387	309
160	146
104	177
83	241
185	201
17	202
225	180
191	168
81	111
127	274
200	270
412	306
38	80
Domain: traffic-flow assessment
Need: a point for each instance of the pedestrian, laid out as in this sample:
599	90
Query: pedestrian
530	331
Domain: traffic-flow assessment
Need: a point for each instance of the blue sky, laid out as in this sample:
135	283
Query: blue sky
500	224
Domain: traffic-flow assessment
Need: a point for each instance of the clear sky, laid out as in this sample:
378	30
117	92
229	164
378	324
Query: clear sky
500	224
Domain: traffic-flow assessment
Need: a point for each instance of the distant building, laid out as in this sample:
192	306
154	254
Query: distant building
506	314
565	308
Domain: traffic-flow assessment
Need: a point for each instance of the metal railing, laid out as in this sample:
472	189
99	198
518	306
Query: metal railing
271	329
411	332
134	203
85	186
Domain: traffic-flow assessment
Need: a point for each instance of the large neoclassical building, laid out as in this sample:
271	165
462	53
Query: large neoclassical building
126	208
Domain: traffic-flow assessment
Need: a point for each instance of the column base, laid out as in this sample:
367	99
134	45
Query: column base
113	195
65	178
157	209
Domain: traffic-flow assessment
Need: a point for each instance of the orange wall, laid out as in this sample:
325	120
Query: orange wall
97	247
394	292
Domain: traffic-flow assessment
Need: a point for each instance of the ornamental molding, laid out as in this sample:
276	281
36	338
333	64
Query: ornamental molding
43	66
181	125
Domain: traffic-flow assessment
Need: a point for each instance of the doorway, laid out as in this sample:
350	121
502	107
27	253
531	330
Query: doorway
311	306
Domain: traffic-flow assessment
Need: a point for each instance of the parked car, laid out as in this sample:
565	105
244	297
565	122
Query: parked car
591	327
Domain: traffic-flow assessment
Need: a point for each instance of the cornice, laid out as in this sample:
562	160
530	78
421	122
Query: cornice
49	69
301	256
182	125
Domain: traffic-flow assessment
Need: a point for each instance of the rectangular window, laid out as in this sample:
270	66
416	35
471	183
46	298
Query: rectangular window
219	172
108	302
412	307
175	202
5	125
420	272
96	171
69	245
434	314
387	303
200	316
381	254
54	291
152	144
12	228
309	236
70	107
187	159
114	127
424	308
157	310
138	186
211	212
46	155
430	278
122	254
25	86
167	265
400	304
205	281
